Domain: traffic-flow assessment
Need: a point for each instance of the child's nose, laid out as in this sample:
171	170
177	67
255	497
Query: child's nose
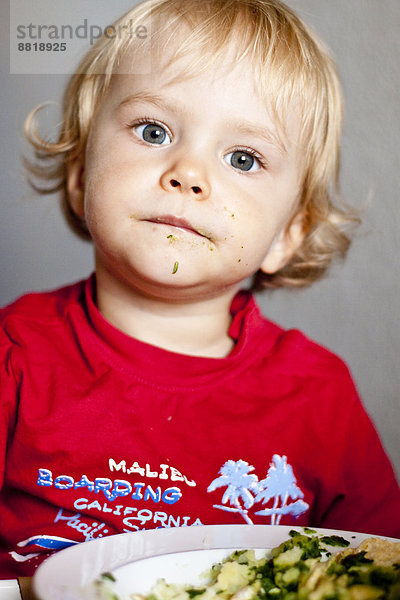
187	177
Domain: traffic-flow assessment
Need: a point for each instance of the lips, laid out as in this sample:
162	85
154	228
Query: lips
179	223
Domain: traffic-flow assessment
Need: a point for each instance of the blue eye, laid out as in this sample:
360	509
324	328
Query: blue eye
243	161
153	134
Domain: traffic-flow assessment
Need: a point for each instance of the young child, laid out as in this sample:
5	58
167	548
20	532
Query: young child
155	394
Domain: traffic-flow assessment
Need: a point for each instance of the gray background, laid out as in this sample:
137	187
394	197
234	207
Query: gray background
355	310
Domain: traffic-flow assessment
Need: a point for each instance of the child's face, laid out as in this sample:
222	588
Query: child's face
187	188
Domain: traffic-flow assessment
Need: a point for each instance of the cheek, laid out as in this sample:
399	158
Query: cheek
101	206
254	215
107	184
250	239
260	217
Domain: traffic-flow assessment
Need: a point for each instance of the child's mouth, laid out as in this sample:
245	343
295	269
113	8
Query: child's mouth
179	223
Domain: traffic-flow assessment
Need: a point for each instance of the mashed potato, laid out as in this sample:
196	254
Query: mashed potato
301	568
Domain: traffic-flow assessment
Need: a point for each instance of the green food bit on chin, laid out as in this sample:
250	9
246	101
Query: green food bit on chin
176	265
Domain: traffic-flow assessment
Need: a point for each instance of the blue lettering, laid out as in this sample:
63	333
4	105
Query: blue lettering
45	477
160	516
70	519
132	527
173	522
85	482
129	509
128	522
154	495
64	482
144	515
103	485
171	495
81	503
137	494
120	488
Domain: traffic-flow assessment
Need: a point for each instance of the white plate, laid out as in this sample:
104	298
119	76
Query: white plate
138	559
9	589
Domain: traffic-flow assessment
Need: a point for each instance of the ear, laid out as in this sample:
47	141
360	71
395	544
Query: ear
75	186
284	246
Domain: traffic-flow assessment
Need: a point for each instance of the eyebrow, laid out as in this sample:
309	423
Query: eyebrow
250	129
144	97
243	127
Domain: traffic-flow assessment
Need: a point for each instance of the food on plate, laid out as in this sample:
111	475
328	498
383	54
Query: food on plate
301	568
369	572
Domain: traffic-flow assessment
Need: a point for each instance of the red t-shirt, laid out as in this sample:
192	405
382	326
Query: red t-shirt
102	434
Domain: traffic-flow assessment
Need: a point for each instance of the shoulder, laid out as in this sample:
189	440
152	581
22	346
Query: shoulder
291	343
309	354
39	309
291	353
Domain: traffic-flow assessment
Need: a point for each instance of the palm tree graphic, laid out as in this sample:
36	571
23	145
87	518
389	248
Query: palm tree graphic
236	475
280	484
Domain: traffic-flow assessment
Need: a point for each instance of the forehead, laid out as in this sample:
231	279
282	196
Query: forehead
229	76
166	67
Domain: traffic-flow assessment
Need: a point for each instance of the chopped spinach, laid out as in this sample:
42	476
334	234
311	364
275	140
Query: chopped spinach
335	540
193	592
108	576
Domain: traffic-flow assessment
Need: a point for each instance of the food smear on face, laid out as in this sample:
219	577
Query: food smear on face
176	265
301	568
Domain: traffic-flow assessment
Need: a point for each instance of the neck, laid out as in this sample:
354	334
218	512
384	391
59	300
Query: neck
196	328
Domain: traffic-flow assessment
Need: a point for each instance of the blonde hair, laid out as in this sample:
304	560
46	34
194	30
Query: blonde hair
289	60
